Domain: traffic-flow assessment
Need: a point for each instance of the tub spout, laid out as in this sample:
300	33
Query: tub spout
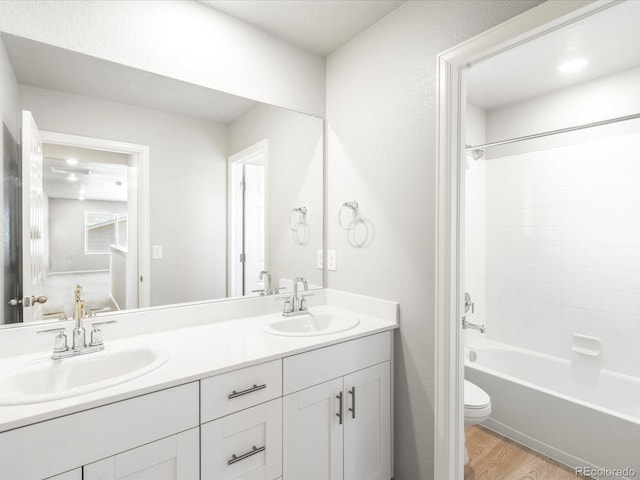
466	324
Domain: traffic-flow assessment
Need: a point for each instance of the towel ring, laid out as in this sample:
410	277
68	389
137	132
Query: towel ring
353	205
301	214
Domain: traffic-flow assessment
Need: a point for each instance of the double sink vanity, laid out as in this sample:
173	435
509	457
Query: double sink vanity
229	389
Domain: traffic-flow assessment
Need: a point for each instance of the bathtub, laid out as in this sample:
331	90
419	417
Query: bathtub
573	412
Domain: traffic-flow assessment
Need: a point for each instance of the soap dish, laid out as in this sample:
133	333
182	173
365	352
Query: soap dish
586	345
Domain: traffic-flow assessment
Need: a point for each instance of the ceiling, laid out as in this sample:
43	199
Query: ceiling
611	41
318	26
98	175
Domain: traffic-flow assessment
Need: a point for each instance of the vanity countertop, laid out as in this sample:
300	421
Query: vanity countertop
196	352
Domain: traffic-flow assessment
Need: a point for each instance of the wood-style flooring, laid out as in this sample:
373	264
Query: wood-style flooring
494	457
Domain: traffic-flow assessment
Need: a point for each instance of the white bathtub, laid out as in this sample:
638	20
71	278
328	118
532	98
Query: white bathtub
577	414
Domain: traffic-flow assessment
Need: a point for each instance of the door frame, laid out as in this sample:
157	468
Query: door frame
451	100
235	203
141	152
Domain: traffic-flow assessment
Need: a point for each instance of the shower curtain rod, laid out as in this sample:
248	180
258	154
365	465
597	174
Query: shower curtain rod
553	132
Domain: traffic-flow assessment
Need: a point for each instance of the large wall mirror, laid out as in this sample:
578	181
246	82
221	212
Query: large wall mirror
147	190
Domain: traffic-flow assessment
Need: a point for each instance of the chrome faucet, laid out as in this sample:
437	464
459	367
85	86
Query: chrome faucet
267	290
79	345
466	324
79	337
296	305
470	305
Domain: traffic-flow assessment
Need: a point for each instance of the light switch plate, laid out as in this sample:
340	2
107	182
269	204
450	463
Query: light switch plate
331	260
320	260
156	252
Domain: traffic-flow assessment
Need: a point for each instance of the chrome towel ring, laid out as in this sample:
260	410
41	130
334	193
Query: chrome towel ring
355	215
298	225
358	228
297	218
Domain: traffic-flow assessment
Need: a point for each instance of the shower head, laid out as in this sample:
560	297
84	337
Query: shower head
476	153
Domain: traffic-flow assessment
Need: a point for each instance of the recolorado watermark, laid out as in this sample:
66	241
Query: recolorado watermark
605	472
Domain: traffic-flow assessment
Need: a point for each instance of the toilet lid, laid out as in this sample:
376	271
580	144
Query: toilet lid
474	396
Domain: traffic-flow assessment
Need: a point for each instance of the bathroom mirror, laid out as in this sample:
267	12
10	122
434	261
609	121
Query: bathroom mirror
154	191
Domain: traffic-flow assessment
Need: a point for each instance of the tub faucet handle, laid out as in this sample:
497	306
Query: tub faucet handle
468	303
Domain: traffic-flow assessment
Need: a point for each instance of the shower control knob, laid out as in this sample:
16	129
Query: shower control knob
468	304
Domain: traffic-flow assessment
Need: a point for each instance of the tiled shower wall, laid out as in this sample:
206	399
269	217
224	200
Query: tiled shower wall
563	250
475	224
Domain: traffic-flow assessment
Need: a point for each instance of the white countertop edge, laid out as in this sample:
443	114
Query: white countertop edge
172	375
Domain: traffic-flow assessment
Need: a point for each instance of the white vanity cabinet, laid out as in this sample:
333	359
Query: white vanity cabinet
171	458
241	432
321	414
337	415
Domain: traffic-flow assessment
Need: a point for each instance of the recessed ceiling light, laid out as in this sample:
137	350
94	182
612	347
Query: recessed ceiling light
573	65
80	197
71	161
72	178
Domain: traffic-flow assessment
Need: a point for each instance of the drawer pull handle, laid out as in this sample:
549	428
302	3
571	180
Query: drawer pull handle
352	392
255	388
339	414
236	458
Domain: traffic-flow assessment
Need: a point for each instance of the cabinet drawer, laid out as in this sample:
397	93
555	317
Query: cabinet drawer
240	389
318	366
244	446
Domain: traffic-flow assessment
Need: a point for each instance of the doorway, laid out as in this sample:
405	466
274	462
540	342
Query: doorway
247	252
109	193
12	245
450	300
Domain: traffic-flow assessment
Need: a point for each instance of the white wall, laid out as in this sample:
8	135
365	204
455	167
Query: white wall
381	115
9	95
563	231
475	205
66	234
187	160
294	179
186	40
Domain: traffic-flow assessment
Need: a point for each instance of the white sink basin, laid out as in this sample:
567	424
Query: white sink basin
319	321
44	379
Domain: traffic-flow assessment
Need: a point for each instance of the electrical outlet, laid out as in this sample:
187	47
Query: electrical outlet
156	252
331	260
320	259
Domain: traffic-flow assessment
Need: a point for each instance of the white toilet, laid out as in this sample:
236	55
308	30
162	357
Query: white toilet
477	408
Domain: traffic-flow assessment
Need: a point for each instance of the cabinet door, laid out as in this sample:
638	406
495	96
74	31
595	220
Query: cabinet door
312	433
173	458
367	424
75	474
246	445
